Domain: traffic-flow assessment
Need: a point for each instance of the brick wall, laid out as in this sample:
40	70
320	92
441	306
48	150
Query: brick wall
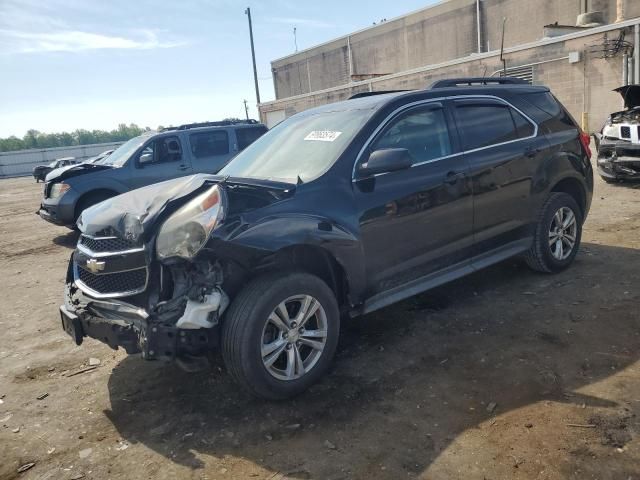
583	86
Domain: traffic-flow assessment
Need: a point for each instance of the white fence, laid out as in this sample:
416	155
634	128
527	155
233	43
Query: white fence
21	162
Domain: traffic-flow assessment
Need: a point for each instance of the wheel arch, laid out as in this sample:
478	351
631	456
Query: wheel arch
108	192
314	260
572	186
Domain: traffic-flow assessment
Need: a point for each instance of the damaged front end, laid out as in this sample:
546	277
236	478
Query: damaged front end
177	328
618	143
133	281
146	276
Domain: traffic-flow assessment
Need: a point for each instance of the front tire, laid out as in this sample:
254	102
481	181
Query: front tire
557	235
280	334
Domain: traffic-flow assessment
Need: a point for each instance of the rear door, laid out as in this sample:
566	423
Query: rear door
502	150
161	159
417	221
210	149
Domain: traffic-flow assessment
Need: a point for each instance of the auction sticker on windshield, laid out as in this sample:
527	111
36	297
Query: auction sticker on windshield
323	135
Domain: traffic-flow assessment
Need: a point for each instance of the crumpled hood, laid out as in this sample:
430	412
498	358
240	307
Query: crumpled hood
132	215
630	94
69	171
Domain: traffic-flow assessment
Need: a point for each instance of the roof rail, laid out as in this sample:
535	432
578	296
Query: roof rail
220	123
477	81
376	92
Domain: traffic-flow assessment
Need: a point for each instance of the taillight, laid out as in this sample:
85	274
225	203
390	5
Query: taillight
585	139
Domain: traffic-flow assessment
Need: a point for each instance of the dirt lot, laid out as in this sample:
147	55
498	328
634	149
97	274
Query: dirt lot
412	392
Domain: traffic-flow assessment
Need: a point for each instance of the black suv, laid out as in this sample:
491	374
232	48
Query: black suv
342	209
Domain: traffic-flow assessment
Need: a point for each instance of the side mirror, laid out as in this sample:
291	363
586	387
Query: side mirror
387	160
145	158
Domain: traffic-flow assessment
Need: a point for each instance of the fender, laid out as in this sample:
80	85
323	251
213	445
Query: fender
273	234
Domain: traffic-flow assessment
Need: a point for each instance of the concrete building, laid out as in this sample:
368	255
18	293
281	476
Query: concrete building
581	49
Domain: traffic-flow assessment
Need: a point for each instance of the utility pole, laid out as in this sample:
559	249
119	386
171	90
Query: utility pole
253	55
295	39
246	109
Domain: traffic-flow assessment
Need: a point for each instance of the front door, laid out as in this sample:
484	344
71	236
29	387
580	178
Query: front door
161	159
417	221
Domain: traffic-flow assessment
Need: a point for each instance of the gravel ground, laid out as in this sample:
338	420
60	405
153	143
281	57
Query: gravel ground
504	374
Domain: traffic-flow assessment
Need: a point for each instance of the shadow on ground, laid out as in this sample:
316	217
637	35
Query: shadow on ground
409	379
68	240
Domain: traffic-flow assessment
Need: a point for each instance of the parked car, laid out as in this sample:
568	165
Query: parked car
618	143
339	210
149	158
55	173
41	171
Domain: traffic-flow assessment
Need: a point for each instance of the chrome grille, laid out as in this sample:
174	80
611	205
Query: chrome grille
110	267
127	282
106	244
625	132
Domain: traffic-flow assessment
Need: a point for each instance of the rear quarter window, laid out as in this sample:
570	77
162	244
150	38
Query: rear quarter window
246	136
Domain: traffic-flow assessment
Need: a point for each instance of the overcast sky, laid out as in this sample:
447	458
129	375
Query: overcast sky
67	64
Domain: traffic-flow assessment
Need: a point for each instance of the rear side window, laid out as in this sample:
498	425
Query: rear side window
483	125
209	144
246	136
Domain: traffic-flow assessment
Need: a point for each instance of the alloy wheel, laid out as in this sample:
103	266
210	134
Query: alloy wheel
562	233
294	337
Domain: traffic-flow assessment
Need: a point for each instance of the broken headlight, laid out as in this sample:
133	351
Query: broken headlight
185	232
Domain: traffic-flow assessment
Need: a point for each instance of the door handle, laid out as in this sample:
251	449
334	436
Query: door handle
531	152
183	167
452	177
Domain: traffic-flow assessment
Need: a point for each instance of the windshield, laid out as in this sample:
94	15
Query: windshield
303	146
122	153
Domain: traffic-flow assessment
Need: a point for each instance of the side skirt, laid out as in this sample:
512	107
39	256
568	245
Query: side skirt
420	285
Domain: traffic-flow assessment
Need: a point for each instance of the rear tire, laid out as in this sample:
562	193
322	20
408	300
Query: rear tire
557	235
274	352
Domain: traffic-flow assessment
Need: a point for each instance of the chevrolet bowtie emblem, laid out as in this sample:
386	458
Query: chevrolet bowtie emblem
94	266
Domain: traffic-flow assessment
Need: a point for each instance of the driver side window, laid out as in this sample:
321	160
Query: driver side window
422	131
163	150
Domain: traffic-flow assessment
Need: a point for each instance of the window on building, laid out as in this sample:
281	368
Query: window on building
422	131
246	136
209	144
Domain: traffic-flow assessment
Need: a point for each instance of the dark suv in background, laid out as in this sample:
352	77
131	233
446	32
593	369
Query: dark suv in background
339	210
149	158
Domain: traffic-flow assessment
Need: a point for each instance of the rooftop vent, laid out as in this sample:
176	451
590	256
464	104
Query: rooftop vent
590	19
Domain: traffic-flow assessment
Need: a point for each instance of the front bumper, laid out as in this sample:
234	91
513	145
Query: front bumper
59	211
619	160
122	325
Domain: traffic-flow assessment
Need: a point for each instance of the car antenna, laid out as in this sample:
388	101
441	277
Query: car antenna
504	61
